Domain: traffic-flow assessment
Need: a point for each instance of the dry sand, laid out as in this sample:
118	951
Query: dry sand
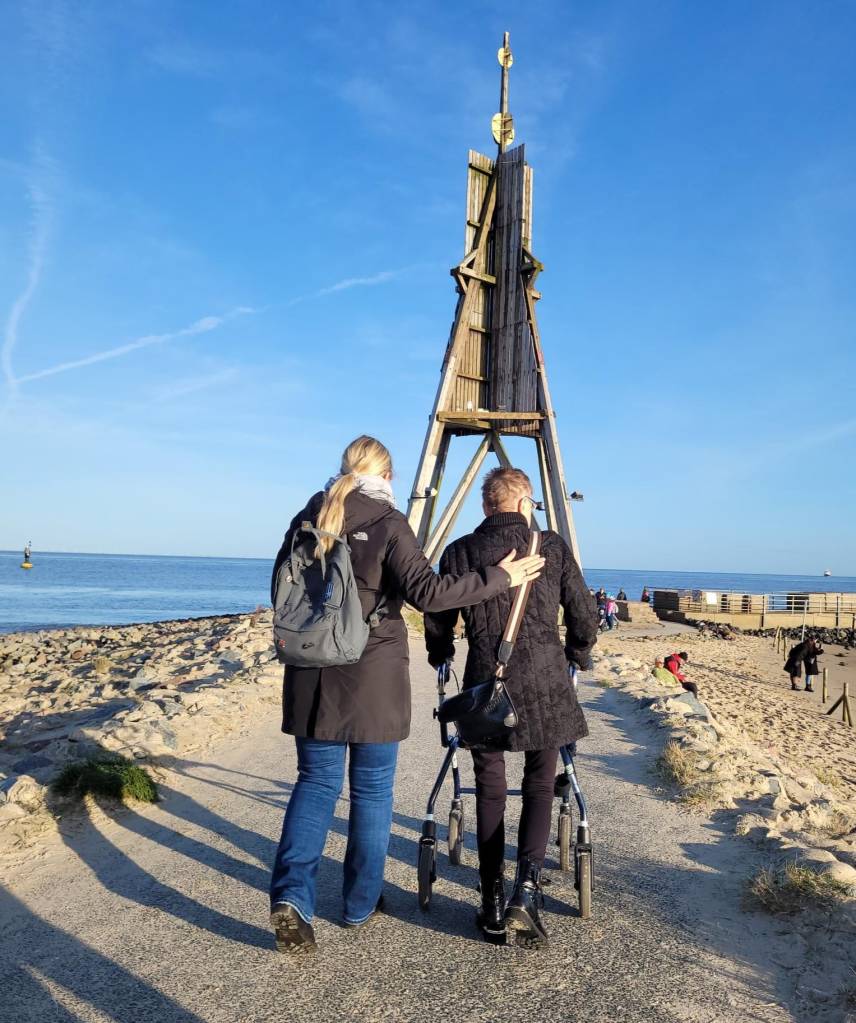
743	683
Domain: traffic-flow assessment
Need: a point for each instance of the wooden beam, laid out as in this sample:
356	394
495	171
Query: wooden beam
476	274
499	449
418	508
564	518
485	415
450	513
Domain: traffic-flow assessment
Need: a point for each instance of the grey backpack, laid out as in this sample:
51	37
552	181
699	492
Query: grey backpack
318	619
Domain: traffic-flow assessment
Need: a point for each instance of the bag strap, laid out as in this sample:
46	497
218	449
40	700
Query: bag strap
376	615
307	527
515	618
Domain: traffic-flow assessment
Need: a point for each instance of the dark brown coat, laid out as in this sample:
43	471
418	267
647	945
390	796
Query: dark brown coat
370	701
537	677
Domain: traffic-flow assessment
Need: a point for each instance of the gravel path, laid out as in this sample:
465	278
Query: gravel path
160	914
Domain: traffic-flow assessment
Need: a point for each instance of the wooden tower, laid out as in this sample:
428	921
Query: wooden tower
494	381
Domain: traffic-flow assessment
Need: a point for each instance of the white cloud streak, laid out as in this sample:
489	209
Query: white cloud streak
192	385
201	326
351	282
41	216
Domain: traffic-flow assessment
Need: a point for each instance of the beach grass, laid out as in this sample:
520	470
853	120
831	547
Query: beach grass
787	889
836	824
829	776
702	796
106	775
677	765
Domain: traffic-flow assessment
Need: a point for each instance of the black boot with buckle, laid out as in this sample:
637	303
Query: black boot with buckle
491	916
523	913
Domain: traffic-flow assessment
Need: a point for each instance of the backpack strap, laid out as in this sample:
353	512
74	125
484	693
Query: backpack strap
515	618
307	527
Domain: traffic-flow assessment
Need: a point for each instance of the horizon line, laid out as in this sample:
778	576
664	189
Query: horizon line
245	557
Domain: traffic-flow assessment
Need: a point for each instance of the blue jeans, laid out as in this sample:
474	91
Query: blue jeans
320	776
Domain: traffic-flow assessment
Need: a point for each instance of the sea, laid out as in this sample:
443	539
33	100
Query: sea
62	590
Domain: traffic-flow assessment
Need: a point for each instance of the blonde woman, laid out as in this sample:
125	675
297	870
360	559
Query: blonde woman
361	709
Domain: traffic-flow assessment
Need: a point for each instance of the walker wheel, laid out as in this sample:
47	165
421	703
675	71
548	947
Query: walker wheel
456	836
426	873
565	861
584	882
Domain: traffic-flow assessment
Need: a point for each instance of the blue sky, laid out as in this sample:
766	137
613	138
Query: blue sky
225	241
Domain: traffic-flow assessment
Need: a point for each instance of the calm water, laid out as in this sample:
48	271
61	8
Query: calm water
89	589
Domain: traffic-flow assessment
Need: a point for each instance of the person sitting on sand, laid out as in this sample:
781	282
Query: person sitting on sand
805	653
661	674
646	596
621	595
673	664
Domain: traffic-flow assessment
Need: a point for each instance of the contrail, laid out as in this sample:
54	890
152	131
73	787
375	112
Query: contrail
201	326
41	215
350	282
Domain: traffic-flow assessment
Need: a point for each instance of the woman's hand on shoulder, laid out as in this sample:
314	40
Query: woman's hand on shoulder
521	570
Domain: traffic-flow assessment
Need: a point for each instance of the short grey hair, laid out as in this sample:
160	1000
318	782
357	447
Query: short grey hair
501	485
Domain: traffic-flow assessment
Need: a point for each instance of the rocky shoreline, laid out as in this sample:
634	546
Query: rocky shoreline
151	692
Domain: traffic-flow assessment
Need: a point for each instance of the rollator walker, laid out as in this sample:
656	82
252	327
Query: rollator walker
577	854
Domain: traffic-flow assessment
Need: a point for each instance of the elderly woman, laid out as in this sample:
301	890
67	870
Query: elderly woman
549	715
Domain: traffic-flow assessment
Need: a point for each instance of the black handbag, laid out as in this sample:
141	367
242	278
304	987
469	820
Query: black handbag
484	714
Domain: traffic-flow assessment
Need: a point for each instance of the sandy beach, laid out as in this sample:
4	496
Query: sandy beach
150	692
743	683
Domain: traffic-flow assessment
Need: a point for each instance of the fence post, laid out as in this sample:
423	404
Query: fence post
845	707
824	692
837	609
763	609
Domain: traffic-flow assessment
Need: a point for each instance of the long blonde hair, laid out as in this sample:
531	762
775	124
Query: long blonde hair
364	456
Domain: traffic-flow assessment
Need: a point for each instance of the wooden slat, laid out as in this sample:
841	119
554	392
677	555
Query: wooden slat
535	417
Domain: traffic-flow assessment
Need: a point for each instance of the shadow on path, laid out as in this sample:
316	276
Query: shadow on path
47	951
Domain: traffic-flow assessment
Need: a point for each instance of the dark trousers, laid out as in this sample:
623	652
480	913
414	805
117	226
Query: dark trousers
539	773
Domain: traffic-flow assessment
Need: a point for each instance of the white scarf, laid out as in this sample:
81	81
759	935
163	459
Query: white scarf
372	486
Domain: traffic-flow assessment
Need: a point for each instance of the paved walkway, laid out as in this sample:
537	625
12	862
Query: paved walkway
160	915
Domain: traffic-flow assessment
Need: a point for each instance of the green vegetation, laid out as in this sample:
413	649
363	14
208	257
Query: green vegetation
793	887
106	775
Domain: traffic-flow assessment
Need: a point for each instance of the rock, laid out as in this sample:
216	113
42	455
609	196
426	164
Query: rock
144	679
11	812
23	790
817	857
695	706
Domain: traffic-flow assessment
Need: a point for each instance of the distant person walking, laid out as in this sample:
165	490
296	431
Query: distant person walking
804	654
600	596
674	664
360	711
611	609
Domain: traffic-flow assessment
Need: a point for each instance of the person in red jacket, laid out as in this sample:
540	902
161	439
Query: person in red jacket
673	664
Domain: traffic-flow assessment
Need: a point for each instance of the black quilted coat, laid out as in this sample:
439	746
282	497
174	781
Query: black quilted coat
537	676
370	701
